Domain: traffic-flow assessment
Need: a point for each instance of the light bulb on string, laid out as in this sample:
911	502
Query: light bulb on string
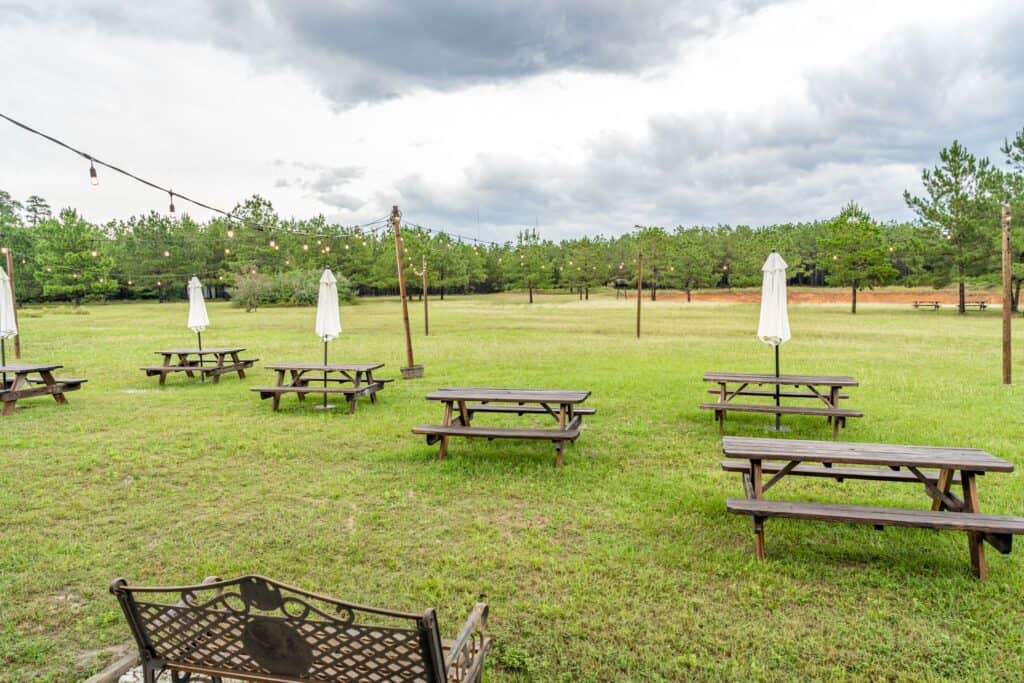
227	252
94	253
305	247
93	176
171	208
166	253
231	233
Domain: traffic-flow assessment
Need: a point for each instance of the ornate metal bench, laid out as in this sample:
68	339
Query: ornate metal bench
256	629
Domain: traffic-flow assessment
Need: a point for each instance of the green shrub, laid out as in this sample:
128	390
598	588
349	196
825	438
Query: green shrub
292	288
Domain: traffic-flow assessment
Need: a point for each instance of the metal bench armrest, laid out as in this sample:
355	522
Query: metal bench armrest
468	649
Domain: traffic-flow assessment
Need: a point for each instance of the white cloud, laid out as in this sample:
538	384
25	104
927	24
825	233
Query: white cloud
755	114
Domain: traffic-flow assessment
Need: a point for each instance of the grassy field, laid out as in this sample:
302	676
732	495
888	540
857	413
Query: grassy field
623	565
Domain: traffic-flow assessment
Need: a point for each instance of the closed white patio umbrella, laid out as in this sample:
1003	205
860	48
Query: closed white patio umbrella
773	326
328	319
198	320
8	324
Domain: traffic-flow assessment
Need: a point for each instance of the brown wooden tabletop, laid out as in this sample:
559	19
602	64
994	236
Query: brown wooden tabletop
787	380
329	367
886	455
201	352
28	368
487	394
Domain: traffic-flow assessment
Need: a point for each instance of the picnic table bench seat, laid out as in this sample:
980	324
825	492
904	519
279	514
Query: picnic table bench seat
838	416
256	629
67	383
980	305
435	432
998	530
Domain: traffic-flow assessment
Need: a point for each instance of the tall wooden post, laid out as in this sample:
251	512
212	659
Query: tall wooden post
639	288
426	309
14	301
1007	298
411	370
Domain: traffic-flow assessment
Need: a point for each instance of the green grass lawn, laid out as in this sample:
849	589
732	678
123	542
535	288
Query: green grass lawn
622	565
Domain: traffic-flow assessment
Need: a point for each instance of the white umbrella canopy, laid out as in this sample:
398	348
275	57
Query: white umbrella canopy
8	325
773	327
328	319
198	320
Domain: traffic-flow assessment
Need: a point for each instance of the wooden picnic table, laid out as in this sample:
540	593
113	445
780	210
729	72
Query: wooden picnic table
936	469
21	384
462	403
828	389
212	362
333	378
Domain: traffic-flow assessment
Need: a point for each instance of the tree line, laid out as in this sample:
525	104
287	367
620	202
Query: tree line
261	257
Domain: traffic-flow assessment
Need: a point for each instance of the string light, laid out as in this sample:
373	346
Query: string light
94	253
231	233
166	253
305	247
93	176
172	201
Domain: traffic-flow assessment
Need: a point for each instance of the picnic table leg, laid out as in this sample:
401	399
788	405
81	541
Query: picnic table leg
369	382
183	361
220	365
943	484
443	450
758	491
58	394
20	379
560	445
296	381
163	375
464	414
975	540
237	362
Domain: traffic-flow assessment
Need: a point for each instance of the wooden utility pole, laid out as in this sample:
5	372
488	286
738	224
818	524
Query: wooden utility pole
411	370
14	301
426	309
1007	297
639	288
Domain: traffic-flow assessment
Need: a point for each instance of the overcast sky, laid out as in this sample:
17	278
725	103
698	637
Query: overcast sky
478	117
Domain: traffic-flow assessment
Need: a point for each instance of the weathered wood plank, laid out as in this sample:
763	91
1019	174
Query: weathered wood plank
884	455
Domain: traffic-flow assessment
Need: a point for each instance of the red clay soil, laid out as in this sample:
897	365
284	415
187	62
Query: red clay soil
834	295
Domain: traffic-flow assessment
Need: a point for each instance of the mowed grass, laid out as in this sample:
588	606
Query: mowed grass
622	565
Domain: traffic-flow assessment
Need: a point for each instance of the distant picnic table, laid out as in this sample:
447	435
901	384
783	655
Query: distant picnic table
936	469
212	362
461	404
827	389
927	304
28	380
350	380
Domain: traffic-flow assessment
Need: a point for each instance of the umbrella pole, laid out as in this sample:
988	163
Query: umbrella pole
3	360
202	375
325	375
778	418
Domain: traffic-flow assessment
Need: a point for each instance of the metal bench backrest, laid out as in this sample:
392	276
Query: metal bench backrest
254	628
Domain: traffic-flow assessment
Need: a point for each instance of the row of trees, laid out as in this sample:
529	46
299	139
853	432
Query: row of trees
954	239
